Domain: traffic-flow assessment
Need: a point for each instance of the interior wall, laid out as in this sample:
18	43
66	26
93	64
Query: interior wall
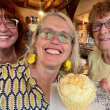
29	12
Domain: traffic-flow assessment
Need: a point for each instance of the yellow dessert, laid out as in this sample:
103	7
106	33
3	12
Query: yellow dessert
76	91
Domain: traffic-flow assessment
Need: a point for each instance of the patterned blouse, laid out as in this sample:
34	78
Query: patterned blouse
19	90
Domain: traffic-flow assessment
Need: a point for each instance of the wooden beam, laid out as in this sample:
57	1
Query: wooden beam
62	5
32	7
48	5
25	3
71	8
19	3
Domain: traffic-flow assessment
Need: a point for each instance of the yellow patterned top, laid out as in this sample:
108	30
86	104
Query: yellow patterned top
19	90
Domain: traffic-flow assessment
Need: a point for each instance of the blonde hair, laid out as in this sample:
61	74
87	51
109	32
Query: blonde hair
74	55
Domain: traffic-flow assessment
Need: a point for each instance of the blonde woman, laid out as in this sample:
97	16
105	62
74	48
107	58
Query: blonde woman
54	45
53	52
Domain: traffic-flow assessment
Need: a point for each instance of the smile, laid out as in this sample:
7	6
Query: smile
2	37
104	39
52	51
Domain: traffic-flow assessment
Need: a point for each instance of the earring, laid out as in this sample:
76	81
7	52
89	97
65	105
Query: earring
67	65
32	59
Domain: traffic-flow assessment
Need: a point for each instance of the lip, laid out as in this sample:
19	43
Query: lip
4	37
104	39
53	51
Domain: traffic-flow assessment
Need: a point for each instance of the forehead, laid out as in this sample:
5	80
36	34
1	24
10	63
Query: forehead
57	23
5	14
103	18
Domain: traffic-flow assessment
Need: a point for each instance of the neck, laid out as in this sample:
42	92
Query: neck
106	57
44	77
8	56
46	74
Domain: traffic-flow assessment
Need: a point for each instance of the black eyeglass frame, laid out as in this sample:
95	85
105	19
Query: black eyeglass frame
101	25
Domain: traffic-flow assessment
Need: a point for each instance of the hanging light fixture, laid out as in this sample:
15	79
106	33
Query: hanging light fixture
41	12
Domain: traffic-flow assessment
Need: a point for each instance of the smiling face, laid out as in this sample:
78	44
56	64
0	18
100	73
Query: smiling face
7	36
102	37
53	52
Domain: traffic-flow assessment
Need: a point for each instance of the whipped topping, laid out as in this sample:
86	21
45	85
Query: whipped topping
76	87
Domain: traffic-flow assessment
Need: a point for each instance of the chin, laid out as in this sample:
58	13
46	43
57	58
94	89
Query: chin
52	64
105	49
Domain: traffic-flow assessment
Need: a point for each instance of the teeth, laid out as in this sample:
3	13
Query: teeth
105	39
53	51
2	37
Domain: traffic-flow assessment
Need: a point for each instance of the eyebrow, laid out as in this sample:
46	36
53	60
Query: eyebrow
100	21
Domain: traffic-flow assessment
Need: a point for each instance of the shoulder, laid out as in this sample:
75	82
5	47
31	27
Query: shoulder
9	69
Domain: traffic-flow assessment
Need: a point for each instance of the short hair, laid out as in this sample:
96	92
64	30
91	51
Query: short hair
12	12
27	17
73	57
98	10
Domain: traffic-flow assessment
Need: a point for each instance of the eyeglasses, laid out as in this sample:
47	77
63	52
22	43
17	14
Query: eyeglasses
97	26
48	33
10	23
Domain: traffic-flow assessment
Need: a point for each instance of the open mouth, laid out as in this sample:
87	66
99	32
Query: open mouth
104	39
52	51
4	37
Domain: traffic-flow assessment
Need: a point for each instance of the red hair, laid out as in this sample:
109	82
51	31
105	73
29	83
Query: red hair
12	12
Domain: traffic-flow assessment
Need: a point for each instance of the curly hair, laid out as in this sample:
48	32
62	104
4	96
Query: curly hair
12	12
99	10
74	55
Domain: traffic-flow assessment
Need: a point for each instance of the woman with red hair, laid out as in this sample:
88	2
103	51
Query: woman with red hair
12	32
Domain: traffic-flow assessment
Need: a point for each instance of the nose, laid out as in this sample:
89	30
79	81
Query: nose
55	40
3	28
103	29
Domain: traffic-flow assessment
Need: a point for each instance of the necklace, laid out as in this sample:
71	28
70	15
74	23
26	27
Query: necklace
6	56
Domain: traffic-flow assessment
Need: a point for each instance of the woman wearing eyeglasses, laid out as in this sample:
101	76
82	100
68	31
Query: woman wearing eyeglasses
99	30
53	51
12	32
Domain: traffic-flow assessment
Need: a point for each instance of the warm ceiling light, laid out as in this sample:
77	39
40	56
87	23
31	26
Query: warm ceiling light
41	13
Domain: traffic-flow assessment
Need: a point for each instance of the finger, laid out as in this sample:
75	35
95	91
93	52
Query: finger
103	85
108	88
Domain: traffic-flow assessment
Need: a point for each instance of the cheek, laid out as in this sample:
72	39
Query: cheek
95	35
14	32
69	49
39	43
72	46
